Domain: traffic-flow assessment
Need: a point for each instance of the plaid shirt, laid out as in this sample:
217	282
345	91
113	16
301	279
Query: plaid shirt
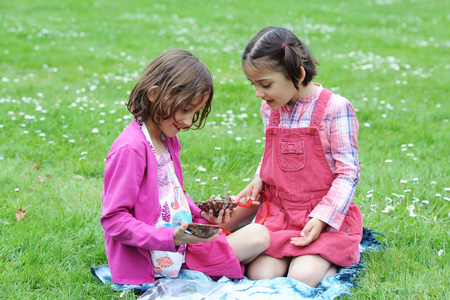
338	132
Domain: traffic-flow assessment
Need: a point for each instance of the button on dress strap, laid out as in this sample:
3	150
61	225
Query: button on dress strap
319	110
274	118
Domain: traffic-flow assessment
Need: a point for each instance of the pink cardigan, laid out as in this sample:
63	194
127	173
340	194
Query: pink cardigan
131	206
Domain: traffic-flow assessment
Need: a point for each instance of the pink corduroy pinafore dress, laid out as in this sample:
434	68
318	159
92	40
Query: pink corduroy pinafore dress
297	176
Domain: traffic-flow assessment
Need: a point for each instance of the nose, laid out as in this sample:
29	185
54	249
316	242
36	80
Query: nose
258	93
186	122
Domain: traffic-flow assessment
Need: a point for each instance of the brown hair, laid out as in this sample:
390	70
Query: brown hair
180	77
279	49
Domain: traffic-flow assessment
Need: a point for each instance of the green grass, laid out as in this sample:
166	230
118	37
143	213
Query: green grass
66	68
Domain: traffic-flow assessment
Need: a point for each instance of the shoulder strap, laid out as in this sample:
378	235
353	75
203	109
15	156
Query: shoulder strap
319	110
274	118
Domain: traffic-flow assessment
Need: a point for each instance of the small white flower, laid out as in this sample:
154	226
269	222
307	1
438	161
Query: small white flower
215	178
246	179
16	189
95	130
388	161
197	180
440	252
217	148
200	168
403	181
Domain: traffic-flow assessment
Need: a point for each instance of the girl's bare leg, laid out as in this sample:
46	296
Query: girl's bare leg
265	266
249	241
311	269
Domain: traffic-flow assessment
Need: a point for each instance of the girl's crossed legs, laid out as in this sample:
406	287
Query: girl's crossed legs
309	269
249	242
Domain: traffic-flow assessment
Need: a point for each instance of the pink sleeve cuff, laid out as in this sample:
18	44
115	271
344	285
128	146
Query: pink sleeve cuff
329	215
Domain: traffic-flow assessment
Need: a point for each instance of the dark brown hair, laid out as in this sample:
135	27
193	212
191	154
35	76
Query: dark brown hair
180	77
279	49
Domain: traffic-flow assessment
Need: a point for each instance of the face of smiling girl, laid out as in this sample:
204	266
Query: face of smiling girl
273	87
183	117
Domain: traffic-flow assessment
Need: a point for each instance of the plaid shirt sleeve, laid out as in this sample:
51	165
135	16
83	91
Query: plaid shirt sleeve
265	114
341	149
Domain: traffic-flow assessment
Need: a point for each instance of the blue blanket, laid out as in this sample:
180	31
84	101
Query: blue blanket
196	285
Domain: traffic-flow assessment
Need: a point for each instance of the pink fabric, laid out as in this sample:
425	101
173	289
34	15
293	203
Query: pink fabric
131	206
338	134
297	178
215	259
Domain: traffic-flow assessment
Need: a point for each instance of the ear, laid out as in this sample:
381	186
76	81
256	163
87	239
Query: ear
302	76
152	92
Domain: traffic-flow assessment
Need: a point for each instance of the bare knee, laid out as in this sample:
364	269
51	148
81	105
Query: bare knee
310	269
259	235
265	267
308	277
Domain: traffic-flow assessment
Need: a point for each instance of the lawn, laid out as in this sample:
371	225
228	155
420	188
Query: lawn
66	69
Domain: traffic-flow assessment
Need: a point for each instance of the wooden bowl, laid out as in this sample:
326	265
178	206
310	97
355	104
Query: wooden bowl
216	205
202	230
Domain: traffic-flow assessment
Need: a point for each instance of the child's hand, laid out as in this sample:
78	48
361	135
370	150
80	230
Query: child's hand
310	233
251	192
183	238
223	217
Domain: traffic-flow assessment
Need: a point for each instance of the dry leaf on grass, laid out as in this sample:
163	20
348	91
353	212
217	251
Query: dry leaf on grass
20	214
42	178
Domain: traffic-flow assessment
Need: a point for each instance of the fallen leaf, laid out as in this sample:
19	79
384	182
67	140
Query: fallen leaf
42	178
20	214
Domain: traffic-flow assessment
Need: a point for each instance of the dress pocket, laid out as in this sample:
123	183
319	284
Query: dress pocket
291	155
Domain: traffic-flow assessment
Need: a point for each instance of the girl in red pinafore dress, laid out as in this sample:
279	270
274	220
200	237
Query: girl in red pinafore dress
309	171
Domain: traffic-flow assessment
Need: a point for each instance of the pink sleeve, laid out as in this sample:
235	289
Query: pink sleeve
124	172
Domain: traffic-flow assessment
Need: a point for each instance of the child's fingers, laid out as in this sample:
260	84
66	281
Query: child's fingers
301	241
242	194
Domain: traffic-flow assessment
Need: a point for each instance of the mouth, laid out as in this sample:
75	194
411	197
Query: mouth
179	127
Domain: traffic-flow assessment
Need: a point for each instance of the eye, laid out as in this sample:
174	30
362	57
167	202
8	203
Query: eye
266	85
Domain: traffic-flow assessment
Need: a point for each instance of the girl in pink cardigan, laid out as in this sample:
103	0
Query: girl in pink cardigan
143	196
